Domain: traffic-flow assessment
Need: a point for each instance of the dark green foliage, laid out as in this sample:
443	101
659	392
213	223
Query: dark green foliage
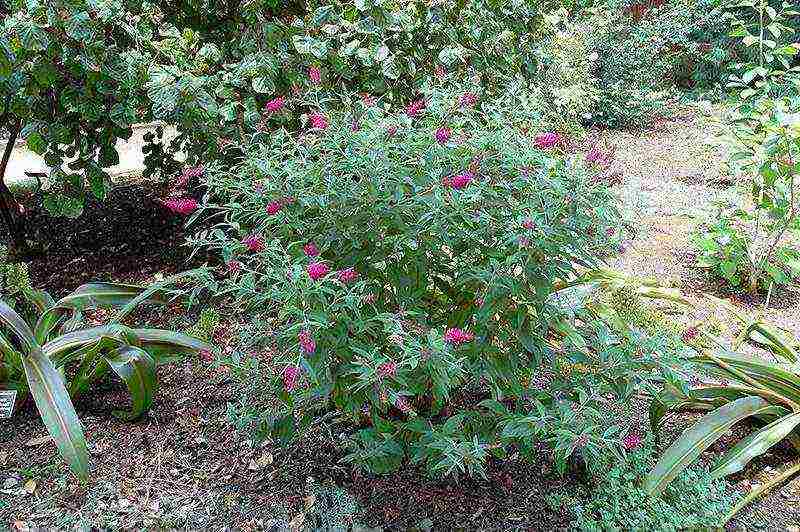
71	84
402	256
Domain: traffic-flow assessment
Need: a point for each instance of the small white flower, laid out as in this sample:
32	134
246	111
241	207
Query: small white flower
593	56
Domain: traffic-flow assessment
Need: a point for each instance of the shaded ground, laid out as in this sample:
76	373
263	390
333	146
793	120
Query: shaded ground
130	235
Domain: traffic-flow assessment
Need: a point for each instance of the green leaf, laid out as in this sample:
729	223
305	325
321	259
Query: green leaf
21	330
77	27
31	36
36	143
138	370
89	296
57	411
156	288
698	438
263	85
754	445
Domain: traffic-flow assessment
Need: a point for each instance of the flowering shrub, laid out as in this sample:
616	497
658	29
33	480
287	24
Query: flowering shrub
409	282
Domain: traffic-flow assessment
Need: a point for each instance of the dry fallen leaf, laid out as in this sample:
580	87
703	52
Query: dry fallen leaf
38	441
30	486
310	500
297	523
3	458
265	460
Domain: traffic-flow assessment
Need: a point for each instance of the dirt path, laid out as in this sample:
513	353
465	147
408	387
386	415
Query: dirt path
672	177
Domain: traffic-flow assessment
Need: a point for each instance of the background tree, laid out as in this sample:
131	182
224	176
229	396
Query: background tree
71	84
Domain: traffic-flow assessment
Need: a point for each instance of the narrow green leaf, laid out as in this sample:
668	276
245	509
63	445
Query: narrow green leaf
754	445
138	370
156	288
57	410
92	295
698	438
18	326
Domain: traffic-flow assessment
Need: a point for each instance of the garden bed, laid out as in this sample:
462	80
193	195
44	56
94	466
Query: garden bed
184	466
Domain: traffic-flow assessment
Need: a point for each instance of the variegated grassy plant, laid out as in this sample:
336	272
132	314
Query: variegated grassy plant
35	354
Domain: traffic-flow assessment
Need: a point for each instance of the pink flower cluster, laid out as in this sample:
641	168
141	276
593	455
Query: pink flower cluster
459	181
414	109
468	99
387	369
528	224
632	441
690	334
318	121
254	243
310	250
546	140
315	75
348	275
317	270
601	159
276	104
291	374
391	131
274	207
402	404
443	134
181	205
307	342
456	336
193	172
234	267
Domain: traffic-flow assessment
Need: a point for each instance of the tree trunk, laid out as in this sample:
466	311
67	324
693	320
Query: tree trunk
7	204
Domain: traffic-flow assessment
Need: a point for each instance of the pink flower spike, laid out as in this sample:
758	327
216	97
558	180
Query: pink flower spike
632	441
460	181
315	75
234	267
181	205
528	224
276	104
254	243
348	275
310	250
468	99
318	121
273	207
402	405
387	369
193	172
317	270
291	374
443	134
547	140
414	109
306	342
690	334
456	336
